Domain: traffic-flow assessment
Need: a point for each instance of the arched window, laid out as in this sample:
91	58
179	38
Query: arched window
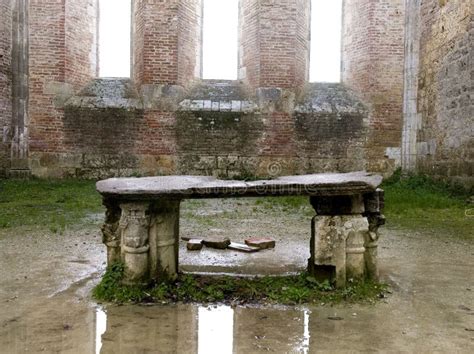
326	24
220	28
114	38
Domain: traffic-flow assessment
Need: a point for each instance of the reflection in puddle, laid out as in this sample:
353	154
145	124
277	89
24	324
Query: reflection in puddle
203	330
100	327
306	335
215	330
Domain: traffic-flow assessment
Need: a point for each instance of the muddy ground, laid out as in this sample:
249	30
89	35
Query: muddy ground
46	281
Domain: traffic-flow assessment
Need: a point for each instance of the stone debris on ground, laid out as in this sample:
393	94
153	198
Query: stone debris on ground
194	245
216	242
242	247
260	242
253	244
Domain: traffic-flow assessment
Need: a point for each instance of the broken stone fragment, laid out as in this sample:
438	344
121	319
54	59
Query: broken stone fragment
216	242
262	243
194	245
243	248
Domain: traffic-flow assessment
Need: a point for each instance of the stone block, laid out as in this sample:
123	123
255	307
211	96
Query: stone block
374	202
242	248
216	242
337	244
262	243
338	205
194	245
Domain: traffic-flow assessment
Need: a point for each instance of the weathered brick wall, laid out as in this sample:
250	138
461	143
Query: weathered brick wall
249	42
189	41
372	56
63	57
446	139
81	41
287	125
277	126
166	41
155	42
270	30
5	81
47	66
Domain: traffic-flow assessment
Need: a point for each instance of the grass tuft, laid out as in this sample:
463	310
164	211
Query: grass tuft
419	202
54	204
289	290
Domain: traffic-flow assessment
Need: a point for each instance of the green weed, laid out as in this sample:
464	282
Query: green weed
204	289
419	202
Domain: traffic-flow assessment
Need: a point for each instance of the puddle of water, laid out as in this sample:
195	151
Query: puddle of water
215	330
201	329
100	328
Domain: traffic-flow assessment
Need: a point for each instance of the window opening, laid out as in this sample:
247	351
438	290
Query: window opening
326	27
114	38
220	36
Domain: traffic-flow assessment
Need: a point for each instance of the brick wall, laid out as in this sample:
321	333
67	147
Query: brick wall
249	42
63	57
167	41
270	30
155	42
5	81
446	139
289	126
189	41
47	64
373	56
81	41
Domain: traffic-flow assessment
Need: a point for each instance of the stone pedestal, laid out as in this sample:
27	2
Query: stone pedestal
344	236
134	227
164	240
144	236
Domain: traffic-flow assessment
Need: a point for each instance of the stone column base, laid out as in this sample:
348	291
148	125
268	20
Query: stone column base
337	248
144	236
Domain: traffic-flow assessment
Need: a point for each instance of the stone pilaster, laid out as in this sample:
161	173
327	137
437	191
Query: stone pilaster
357	228
374	204
20	70
164	238
134	225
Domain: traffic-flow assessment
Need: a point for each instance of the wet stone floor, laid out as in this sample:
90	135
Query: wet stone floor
46	280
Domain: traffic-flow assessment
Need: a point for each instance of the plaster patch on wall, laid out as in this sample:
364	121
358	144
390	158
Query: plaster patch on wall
394	153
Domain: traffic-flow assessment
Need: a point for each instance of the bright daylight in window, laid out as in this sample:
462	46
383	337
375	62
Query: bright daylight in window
326	23
114	38
220	24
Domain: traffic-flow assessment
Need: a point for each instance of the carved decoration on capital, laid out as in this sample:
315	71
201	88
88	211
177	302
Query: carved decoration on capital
134	224
110	228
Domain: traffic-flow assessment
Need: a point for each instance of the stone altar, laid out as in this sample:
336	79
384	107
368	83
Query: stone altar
141	226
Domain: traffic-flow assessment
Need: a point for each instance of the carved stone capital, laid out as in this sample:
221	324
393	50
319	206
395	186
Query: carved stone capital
134	224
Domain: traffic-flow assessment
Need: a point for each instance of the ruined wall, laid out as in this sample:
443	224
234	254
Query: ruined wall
274	60
270	30
166	42
81	41
62	58
445	136
166	120
5	82
155	33
372	58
